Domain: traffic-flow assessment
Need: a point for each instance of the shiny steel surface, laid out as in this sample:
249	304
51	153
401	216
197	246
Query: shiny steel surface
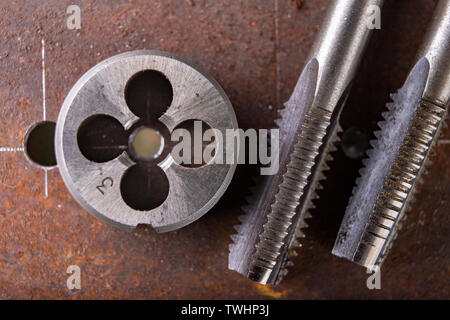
436	48
399	157
272	227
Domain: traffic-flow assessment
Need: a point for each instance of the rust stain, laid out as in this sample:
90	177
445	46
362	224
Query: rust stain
269	291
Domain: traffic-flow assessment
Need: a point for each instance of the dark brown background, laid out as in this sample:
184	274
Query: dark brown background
236	41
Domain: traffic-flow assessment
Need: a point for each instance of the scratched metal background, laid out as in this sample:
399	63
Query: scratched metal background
256	50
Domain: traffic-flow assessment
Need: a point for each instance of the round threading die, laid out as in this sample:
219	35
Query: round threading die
113	141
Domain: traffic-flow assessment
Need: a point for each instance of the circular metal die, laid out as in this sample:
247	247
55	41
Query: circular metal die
113	141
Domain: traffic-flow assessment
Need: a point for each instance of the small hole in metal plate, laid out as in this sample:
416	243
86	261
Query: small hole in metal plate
101	138
195	158
354	143
146	143
148	94
39	144
144	187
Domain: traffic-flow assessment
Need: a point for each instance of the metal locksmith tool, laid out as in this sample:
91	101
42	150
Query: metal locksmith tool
396	163
113	141
276	214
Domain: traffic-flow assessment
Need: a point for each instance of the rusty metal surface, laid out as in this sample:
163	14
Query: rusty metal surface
256	50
